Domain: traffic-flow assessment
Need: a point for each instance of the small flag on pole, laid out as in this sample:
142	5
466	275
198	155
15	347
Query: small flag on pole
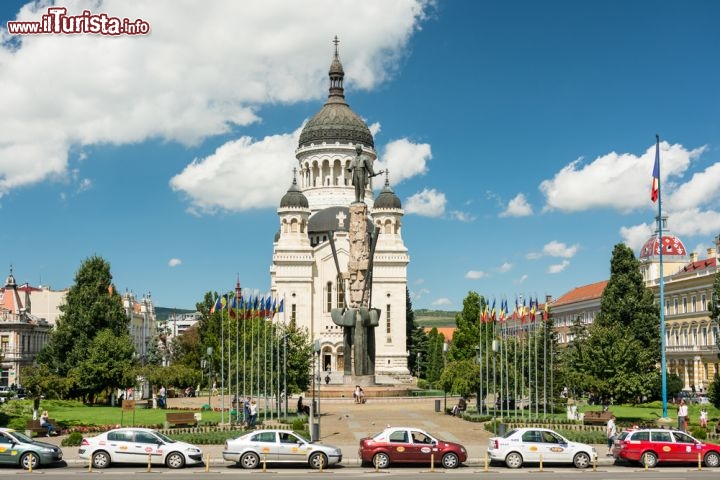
655	192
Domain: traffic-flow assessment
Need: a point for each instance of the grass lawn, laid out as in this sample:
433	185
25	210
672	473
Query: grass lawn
71	414
650	412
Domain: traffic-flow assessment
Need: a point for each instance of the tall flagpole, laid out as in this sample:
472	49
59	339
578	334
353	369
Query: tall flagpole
656	188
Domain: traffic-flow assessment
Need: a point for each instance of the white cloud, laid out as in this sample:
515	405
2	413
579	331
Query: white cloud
442	302
462	216
428	203
558	267
559	249
693	221
521	280
418	294
517	207
475	274
404	159
619	181
701	189
534	255
230	179
505	267
636	236
186	80
174	262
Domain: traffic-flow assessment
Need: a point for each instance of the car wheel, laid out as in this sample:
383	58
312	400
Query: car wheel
450	460
175	460
514	460
317	459
381	460
712	459
100	459
581	460
249	460
29	460
649	459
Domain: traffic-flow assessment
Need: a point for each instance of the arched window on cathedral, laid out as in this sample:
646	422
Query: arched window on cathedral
328	296
294	225
340	292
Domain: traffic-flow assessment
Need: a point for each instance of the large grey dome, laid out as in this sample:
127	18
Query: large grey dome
336	219
336	122
294	198
387	198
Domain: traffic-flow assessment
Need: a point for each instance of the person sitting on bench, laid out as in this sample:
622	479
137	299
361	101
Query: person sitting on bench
460	407
45	422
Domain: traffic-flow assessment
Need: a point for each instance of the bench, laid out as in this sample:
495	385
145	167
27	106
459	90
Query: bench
596	418
34	426
180	418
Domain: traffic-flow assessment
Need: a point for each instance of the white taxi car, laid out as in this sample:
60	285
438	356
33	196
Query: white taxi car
535	445
138	445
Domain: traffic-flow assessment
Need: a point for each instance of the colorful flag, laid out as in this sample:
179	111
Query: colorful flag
546	312
492	312
232	307
523	310
503	309
281	306
216	306
655	192
533	307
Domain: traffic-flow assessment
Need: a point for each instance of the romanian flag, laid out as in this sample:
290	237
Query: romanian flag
655	191
533	307
523	311
232	307
281	305
493	316
220	304
503	309
546	312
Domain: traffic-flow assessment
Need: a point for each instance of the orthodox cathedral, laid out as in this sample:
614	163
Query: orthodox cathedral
311	249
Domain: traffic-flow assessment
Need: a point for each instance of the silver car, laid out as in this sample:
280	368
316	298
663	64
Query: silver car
279	446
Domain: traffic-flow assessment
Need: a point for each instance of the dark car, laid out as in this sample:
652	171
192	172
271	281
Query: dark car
16	448
410	445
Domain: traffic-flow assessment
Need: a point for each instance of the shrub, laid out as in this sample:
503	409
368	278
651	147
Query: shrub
422	383
298	425
699	432
72	440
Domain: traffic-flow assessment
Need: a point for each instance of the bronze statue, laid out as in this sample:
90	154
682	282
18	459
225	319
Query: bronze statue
362	170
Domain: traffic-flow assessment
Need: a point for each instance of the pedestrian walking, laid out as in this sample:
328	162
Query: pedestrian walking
611	432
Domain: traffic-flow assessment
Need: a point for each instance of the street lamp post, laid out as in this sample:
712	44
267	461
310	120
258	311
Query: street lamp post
445	349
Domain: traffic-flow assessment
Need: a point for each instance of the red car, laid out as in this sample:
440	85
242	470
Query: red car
650	446
410	445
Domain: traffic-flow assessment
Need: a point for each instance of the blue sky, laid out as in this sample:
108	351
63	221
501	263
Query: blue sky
519	135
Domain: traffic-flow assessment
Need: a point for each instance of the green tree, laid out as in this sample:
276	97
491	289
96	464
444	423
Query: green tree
461	377
91	306
467	333
619	356
416	339
299	358
108	366
714	305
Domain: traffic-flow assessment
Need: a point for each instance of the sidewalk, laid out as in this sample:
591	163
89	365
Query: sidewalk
343	423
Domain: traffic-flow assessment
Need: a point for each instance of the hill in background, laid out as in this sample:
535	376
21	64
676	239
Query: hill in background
434	318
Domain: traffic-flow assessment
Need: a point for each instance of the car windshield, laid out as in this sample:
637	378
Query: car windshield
510	433
164	438
21	437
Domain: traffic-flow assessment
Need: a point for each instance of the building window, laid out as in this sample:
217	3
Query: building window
684	305
340	292
675	306
693	303
703	303
328	296
5	343
388	328
293	313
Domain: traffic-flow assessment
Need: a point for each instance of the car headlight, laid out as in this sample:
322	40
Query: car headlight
193	450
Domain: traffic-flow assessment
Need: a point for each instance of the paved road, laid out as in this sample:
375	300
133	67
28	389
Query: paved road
343	423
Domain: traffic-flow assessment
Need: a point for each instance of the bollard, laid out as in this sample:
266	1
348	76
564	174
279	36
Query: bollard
541	462
377	469
595	463
207	463
432	462
645	462
90	466
264	462
30	463
699	461
486	462
149	469
322	462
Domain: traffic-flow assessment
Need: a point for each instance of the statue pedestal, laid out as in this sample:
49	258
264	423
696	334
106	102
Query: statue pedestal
362	380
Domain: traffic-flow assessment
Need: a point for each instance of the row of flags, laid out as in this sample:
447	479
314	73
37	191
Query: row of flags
249	307
521	312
